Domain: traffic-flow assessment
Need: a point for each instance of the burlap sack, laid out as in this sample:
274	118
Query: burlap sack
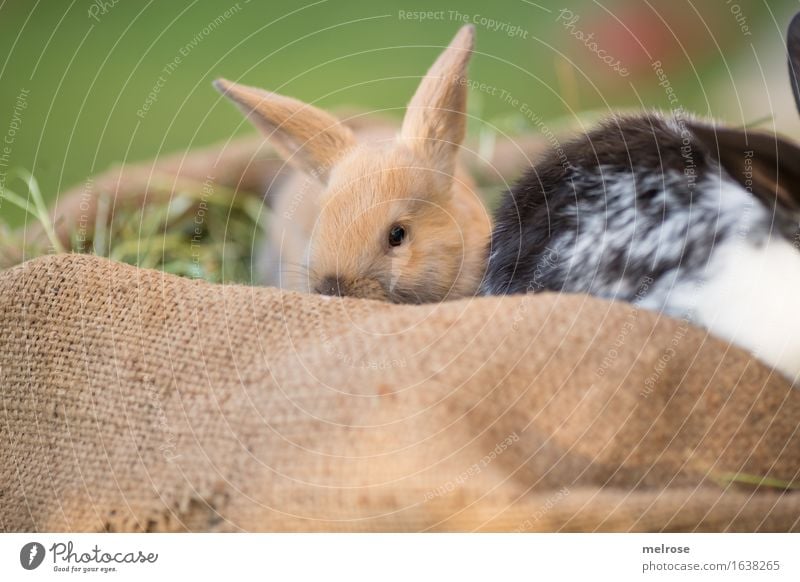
138	401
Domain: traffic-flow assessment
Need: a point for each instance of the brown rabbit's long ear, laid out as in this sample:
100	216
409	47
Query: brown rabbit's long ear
435	122
304	135
793	50
764	163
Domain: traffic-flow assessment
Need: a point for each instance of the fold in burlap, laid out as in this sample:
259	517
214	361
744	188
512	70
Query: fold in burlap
135	400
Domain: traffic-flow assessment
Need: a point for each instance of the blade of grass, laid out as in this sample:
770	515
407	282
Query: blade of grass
17	200
757	122
759	481
40	212
101	227
41	208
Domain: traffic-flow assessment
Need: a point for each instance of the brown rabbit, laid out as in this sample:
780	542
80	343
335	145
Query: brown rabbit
394	219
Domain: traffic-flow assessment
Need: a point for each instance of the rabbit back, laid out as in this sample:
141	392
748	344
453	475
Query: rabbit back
639	210
636	202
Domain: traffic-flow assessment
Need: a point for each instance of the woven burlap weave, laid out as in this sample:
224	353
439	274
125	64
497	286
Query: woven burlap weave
134	400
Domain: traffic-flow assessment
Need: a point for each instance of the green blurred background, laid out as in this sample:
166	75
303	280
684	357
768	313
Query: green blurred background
90	66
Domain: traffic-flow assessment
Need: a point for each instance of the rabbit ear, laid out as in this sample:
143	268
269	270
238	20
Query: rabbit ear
307	137
763	163
435	122
793	50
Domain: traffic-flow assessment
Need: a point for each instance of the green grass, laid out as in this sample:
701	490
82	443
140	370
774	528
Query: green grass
195	234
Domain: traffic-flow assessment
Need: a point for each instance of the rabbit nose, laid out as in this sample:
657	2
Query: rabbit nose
330	285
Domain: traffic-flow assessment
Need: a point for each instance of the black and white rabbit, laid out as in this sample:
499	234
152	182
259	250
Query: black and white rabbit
674	214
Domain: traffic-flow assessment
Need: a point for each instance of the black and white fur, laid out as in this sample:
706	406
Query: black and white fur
676	215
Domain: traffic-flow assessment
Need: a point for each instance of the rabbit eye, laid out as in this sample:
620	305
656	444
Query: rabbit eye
396	235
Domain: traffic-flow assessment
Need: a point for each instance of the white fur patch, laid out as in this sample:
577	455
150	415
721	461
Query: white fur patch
748	289
750	300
